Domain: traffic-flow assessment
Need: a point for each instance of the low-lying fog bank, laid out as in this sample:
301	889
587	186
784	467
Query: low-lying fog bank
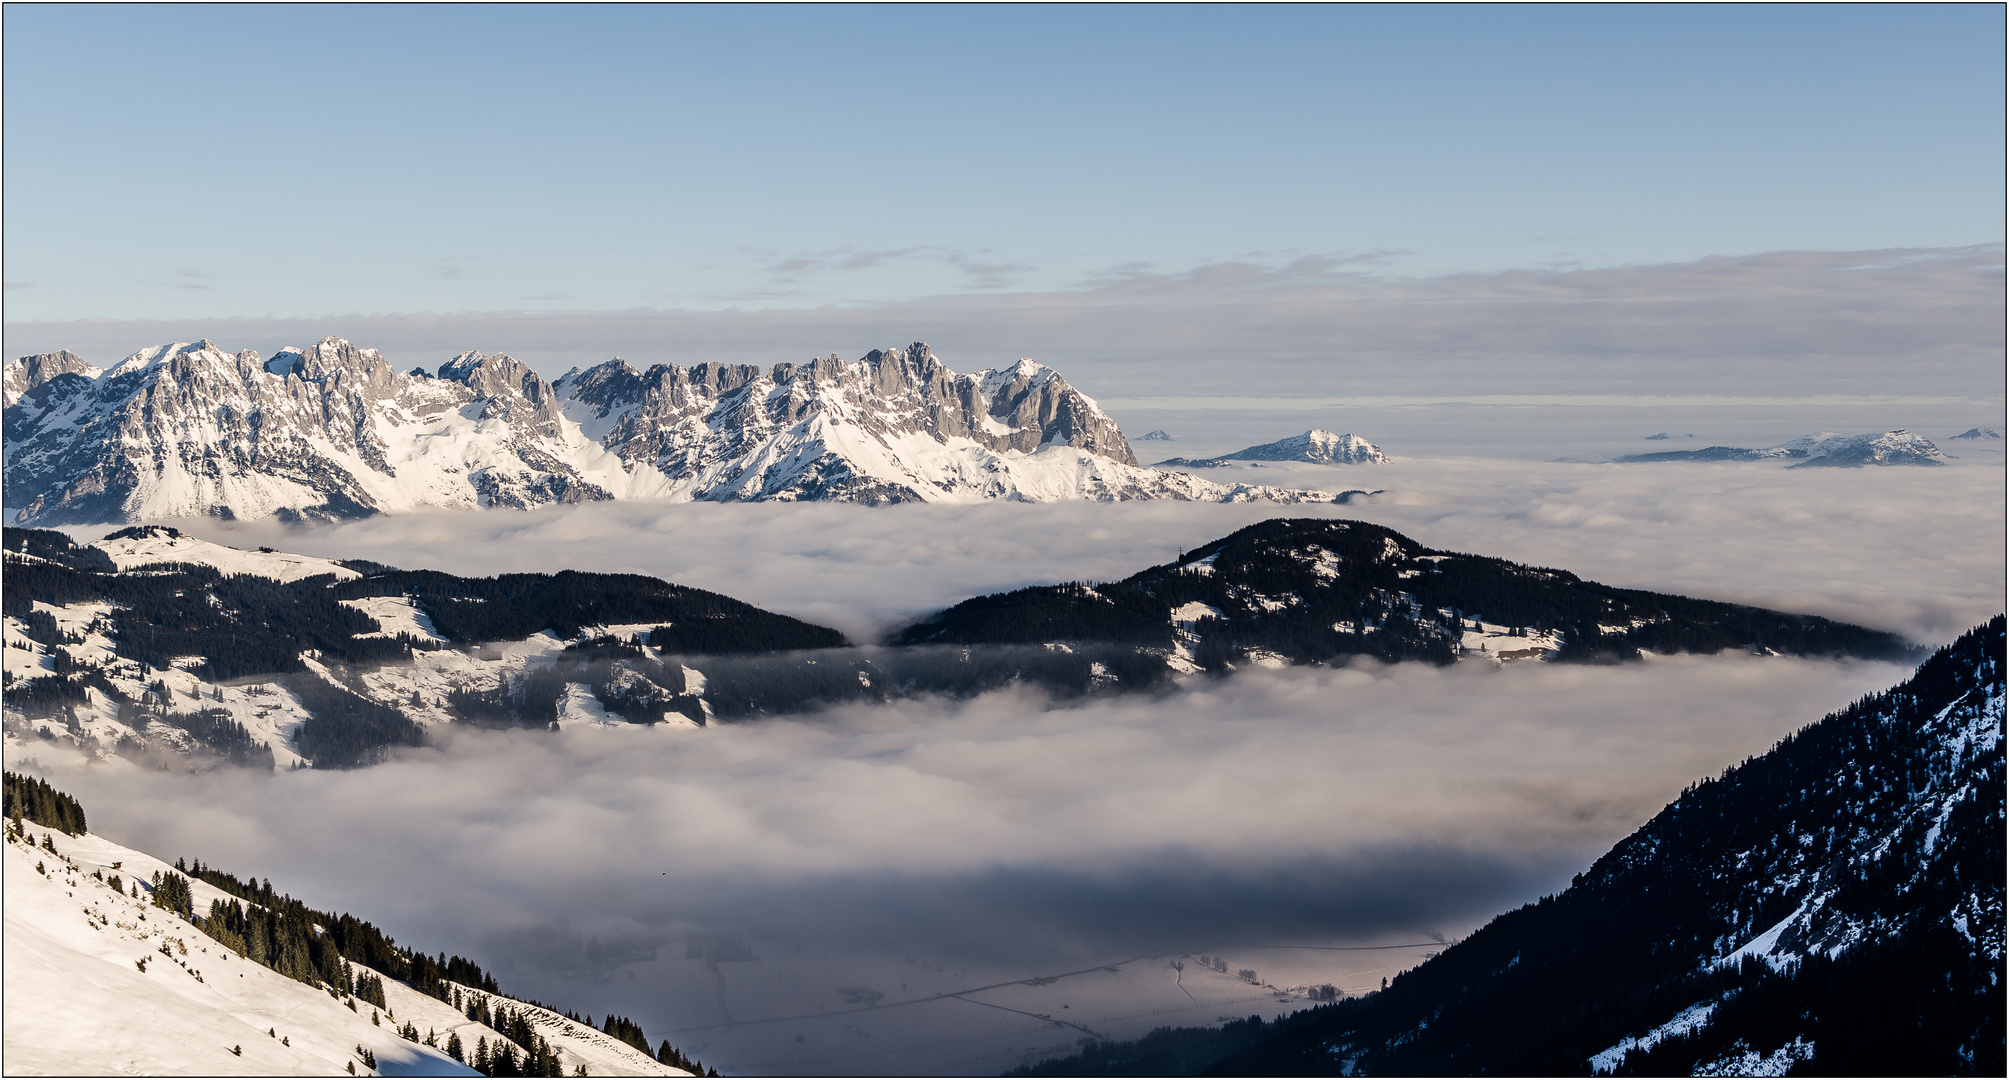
1916	551
797	868
770	895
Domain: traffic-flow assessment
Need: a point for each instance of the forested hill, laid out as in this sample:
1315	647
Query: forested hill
240	624
1833	906
1314	590
159	646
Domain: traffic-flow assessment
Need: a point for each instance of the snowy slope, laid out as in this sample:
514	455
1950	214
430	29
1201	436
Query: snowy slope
81	1002
333	431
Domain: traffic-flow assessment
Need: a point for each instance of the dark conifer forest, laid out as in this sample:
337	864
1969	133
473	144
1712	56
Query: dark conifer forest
32	798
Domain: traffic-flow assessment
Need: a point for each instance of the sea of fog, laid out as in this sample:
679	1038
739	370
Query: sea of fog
956	887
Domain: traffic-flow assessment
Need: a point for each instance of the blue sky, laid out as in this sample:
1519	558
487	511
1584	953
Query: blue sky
186	162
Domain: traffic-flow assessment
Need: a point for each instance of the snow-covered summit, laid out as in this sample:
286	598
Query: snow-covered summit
333	431
25	373
1316	445
1897	447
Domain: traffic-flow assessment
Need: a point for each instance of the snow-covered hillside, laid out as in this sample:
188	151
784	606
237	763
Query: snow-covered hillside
333	431
101	982
151	644
113	705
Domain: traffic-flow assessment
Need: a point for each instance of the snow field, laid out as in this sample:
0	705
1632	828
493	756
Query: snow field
81	1002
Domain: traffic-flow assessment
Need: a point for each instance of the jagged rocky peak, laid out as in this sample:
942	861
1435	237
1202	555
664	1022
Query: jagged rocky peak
25	373
183	360
887	391
337	365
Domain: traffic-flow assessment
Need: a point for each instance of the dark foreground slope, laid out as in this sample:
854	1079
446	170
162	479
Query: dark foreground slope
1313	590
1833	906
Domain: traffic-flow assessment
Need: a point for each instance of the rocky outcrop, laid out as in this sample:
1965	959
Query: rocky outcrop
28	372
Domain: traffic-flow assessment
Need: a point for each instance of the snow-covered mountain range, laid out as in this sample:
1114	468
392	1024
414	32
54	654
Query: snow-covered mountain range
333	431
1316	445
1822	449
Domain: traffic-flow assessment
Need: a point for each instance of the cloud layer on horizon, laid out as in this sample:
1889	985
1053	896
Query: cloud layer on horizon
1783	323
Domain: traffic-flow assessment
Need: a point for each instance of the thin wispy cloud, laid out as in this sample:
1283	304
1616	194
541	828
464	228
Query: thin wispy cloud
979	273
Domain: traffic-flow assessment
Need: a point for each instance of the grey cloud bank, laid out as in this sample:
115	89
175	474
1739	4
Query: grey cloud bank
1791	324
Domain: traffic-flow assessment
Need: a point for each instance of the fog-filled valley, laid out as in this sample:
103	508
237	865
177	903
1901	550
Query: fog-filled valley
792	894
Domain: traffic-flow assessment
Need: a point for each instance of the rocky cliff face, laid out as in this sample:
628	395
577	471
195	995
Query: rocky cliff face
28	372
330	431
333	431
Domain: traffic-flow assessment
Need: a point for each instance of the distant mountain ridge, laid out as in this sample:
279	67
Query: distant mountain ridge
1834	906
1316	590
1825	449
332	431
159	646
